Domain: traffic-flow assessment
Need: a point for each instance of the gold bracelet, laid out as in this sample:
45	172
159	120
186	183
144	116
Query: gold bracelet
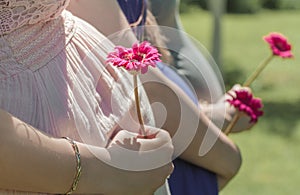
78	166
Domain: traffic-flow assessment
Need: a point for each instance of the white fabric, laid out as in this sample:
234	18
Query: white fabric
53	76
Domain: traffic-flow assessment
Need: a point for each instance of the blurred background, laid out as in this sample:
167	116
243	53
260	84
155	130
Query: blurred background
233	34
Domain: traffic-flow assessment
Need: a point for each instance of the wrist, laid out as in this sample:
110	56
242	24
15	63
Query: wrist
95	172
78	168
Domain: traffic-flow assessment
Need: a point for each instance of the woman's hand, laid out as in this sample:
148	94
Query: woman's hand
144	163
243	122
221	112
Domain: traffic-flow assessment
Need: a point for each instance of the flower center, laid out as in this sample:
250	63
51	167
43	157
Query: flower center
127	57
280	46
139	57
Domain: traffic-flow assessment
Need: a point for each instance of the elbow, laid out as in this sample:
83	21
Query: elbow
230	171
236	165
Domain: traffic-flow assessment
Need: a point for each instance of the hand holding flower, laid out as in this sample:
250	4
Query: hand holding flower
243	122
245	103
132	158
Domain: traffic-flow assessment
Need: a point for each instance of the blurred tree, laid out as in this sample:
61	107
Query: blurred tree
217	8
184	4
272	4
281	4
233	6
243	6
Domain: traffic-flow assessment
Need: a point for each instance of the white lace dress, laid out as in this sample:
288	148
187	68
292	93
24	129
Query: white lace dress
53	75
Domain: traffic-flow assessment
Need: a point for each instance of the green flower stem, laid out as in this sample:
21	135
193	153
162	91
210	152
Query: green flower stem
258	70
232	123
138	108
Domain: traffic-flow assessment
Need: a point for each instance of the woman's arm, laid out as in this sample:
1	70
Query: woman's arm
35	162
32	161
223	157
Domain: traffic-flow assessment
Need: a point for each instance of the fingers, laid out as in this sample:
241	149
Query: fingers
148	162
231	93
154	134
158	149
239	87
157	138
162	140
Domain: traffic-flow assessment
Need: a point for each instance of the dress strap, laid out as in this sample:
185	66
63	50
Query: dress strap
141	17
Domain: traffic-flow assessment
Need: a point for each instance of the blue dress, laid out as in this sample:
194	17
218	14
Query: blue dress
186	179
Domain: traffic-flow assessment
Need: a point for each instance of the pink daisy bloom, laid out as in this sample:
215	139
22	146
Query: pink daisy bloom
279	45
137	58
245	102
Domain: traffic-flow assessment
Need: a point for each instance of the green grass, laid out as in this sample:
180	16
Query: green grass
271	150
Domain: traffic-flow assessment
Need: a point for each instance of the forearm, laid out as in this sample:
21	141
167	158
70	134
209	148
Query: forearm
34	162
219	153
223	157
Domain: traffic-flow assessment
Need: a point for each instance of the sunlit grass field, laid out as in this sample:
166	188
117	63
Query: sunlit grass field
271	150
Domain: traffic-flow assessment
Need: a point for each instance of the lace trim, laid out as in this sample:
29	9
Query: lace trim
17	13
34	46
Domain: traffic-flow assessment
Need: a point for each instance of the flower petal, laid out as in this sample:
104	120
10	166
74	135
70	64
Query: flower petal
279	45
244	101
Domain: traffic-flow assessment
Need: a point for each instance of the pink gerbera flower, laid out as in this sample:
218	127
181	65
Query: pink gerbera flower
245	102
137	58
279	45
